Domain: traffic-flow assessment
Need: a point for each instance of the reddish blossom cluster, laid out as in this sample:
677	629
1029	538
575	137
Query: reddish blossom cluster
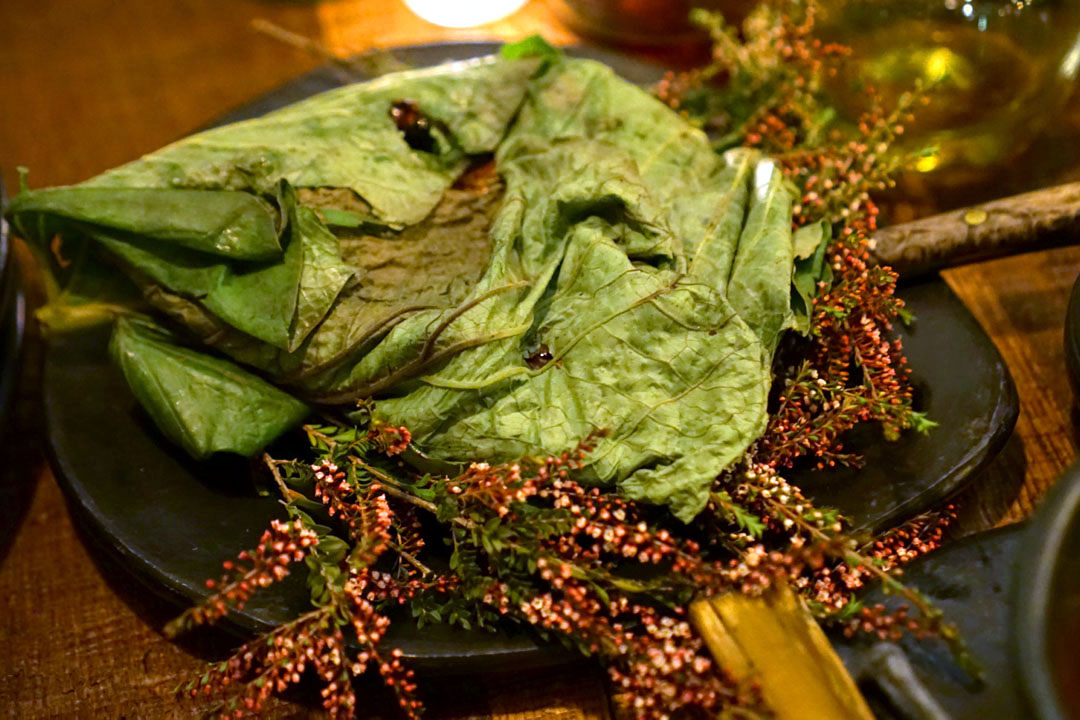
780	63
837	180
653	656
779	126
659	666
367	516
385	586
811	416
370	626
853	373
388	439
328	655
603	526
815	537
270	664
280	546
664	669
495	488
914	538
315	640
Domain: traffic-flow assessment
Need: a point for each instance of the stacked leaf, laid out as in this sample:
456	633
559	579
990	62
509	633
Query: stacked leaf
202	403
616	273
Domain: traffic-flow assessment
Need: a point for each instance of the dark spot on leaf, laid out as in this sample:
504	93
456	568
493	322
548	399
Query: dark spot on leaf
539	358
415	127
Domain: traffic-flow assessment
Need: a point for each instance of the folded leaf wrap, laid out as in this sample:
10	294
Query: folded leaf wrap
616	274
655	273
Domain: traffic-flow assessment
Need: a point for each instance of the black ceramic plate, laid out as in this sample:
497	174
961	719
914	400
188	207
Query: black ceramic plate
12	320
173	521
974	582
11	336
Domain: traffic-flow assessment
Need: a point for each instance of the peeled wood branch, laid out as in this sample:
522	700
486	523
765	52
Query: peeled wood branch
1032	221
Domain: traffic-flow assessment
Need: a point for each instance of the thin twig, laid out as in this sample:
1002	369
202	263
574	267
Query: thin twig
410	558
273	465
393	489
371	64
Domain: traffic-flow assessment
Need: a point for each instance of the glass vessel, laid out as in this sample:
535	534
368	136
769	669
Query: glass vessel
995	72
655	23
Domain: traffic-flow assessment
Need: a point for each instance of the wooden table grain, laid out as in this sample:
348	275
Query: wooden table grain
88	84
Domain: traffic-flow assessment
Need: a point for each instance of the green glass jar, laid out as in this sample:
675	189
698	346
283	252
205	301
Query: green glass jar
995	72
644	23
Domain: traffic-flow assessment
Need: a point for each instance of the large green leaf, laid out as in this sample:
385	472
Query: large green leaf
256	298
617	274
228	224
425	267
655	274
202	403
218	249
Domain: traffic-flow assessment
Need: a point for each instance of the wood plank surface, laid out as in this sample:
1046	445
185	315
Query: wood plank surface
88	84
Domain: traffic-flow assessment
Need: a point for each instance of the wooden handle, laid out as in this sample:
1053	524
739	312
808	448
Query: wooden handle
1032	221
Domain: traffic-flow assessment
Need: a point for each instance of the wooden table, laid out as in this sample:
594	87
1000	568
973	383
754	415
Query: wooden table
88	84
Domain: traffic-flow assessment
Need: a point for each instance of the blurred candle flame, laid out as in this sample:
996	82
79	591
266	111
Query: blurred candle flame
464	13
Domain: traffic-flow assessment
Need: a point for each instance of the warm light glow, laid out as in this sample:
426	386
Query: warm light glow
928	162
937	65
463	13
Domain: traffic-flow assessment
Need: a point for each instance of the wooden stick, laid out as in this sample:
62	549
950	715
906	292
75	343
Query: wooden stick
1033	221
370	64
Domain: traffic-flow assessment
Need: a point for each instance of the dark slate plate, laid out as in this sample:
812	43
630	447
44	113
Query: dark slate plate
172	521
975	583
12	319
11	338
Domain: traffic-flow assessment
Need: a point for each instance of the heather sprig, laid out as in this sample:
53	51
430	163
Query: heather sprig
764	88
530	543
836	566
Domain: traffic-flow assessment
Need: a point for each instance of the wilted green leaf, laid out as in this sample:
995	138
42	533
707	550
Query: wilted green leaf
202	403
811	242
617	274
228	290
346	138
657	275
228	224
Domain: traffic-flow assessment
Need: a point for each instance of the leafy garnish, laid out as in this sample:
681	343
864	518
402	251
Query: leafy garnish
532	46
